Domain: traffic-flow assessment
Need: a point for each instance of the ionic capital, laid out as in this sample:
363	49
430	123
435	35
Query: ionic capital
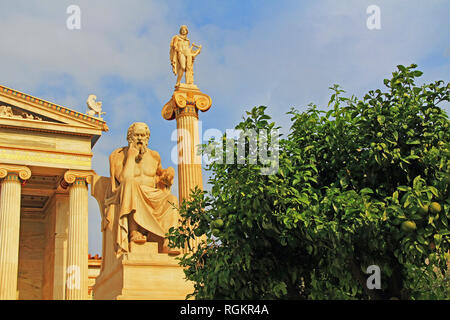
71	176
186	101
22	172
195	99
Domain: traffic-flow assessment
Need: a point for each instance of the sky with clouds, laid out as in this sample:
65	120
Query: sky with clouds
281	54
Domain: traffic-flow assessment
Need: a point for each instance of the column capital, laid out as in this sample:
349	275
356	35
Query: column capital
73	175
186	101
23	172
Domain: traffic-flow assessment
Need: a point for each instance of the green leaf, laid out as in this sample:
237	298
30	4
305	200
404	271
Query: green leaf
434	191
412	142
344	182
407	202
366	191
401	68
395	134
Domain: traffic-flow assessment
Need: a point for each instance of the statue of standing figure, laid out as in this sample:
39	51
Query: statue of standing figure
182	56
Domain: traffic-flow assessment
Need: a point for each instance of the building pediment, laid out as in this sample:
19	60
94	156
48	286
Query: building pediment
20	110
8	111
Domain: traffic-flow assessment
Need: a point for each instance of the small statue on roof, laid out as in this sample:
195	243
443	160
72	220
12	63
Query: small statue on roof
94	106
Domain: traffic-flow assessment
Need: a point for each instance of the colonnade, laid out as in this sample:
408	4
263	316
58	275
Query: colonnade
12	178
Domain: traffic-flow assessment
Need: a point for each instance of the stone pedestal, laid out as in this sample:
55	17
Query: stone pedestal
143	274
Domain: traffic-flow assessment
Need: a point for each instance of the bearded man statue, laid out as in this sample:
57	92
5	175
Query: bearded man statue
139	207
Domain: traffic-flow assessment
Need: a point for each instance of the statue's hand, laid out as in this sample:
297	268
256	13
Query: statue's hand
167	176
133	151
170	173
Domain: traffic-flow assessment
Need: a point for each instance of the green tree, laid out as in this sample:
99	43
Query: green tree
365	183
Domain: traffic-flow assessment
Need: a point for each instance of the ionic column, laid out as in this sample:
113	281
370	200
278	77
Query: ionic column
11	176
189	162
77	238
184	106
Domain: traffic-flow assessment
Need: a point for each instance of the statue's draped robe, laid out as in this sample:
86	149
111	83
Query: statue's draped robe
152	209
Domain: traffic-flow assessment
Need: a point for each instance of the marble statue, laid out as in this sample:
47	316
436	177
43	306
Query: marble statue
182	56
137	210
94	106
138	205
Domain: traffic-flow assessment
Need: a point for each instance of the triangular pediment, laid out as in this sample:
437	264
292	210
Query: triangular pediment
18	109
8	111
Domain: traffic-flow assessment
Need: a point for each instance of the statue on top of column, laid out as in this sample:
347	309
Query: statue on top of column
187	98
182	56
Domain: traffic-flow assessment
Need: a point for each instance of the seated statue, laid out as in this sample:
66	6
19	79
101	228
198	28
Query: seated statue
135	201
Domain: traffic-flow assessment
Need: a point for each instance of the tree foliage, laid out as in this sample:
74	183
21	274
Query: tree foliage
364	183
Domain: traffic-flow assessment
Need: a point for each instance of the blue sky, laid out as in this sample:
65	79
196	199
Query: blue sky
281	54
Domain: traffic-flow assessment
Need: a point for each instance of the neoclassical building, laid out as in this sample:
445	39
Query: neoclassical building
45	169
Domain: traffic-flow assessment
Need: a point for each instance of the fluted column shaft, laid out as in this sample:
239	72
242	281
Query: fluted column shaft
77	238
10	228
189	162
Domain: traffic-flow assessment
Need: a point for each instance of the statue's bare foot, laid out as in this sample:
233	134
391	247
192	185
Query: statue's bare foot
138	237
169	251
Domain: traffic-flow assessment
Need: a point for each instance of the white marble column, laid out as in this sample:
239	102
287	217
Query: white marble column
184	106
12	177
77	238
189	162
62	202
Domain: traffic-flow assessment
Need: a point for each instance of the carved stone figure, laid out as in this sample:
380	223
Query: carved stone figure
138	206
182	56
95	107
8	112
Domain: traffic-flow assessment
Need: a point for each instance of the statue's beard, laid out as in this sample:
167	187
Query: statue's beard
142	147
